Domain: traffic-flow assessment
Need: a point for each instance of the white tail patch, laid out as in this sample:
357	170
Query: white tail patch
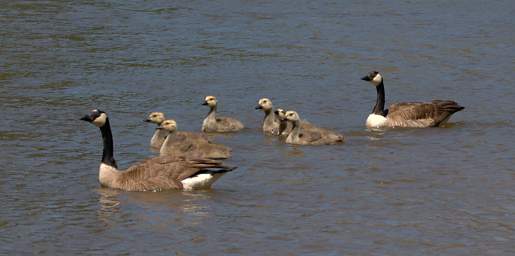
200	181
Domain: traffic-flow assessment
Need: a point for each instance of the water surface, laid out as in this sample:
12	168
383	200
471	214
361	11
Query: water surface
448	191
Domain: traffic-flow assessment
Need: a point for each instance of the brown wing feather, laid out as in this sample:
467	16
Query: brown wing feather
310	136
229	123
421	114
412	110
160	173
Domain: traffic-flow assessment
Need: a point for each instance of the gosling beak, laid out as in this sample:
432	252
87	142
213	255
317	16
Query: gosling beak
159	128
147	120
259	107
204	103
366	78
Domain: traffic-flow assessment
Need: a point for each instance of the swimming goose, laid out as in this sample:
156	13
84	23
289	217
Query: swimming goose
284	126
310	135
213	123
271	122
190	144
159	134
407	114
153	174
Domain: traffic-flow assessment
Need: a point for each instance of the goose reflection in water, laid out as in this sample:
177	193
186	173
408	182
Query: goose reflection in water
162	209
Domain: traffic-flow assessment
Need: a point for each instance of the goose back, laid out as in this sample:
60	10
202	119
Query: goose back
311	135
164	172
421	114
193	145
221	124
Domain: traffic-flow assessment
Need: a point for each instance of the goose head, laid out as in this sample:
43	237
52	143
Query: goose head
373	77
96	117
281	113
265	104
210	101
168	125
292	116
155	117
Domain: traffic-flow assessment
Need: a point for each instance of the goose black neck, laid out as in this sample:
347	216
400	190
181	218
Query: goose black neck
107	138
379	107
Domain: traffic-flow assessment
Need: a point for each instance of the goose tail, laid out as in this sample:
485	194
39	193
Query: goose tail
446	108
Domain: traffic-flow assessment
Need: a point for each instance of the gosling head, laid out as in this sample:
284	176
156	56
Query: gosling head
168	125
373	77
155	117
210	101
292	116
265	104
281	113
96	117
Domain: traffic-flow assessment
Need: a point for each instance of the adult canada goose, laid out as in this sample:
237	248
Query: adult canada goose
271	122
153	174
190	144
213	123
311	135
407	114
159	134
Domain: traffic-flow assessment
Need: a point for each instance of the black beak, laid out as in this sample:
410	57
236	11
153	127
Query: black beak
159	128
86	118
259	107
147	120
204	103
365	78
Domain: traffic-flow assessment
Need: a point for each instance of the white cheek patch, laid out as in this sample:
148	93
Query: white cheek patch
377	79
100	121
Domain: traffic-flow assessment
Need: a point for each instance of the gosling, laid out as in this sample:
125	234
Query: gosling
213	123
271	122
302	135
159	134
190	144
284	126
